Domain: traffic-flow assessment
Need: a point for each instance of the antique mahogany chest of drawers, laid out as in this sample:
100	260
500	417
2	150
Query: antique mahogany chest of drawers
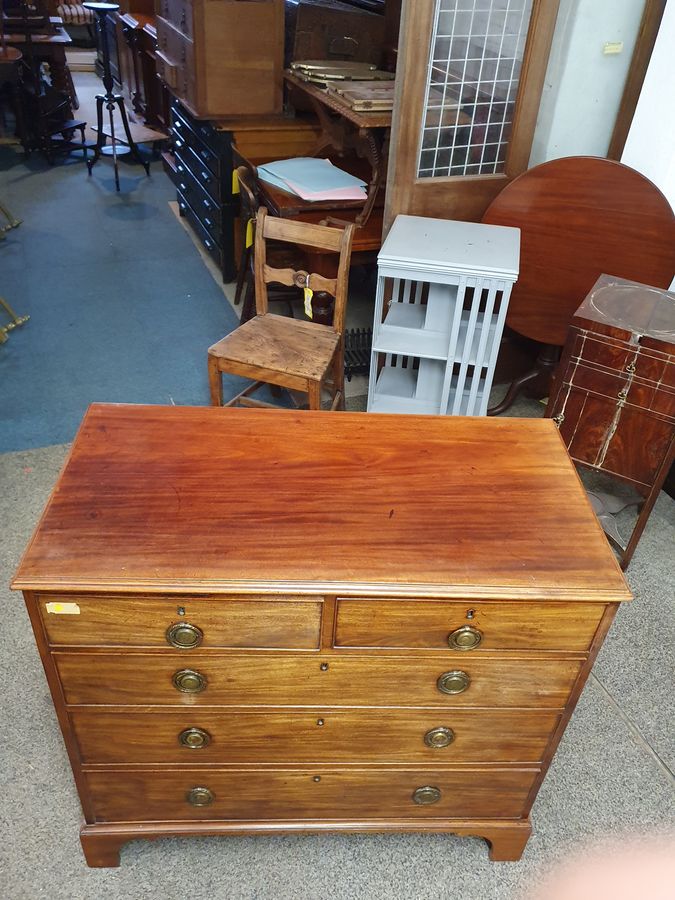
258	621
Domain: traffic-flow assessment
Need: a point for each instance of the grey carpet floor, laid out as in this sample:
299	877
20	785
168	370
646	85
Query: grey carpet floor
613	774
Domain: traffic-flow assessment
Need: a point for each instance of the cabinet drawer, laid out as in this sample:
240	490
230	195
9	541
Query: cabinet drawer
330	680
191	134
215	621
211	245
490	626
309	735
201	173
320	793
178	13
190	187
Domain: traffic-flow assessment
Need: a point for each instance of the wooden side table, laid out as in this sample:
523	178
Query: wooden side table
613	396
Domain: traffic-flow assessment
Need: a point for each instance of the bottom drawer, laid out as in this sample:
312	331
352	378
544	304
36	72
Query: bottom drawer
299	794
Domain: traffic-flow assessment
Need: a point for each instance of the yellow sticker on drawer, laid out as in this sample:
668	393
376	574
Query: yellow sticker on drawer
63	609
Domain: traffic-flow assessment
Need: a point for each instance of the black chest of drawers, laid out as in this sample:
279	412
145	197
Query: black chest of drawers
203	178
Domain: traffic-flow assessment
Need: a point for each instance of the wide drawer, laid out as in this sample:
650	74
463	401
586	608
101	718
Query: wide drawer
201	173
325	793
79	620
466	626
196	193
211	245
178	13
198	203
186	130
329	679
312	736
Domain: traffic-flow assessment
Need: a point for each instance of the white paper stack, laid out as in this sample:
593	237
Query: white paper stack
313	179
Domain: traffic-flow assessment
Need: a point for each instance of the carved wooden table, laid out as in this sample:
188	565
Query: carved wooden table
259	621
613	396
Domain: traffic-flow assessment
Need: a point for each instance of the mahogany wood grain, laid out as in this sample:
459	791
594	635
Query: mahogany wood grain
101	843
579	217
143	621
322	792
236	680
190	500
312	736
503	626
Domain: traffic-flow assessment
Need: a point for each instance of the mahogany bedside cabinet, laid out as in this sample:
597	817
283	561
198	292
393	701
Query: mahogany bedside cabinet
613	395
272	621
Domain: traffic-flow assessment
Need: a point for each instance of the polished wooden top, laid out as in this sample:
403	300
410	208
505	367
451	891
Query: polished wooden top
581	217
205	499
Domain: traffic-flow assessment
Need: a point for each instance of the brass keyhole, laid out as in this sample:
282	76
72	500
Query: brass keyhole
324	667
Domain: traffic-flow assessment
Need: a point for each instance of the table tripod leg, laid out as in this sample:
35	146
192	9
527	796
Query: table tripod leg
111	109
133	146
100	137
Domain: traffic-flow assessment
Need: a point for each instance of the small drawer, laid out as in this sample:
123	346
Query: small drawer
326	793
211	245
307	735
196	679
468	627
178	13
174	45
202	204
201	173
181	623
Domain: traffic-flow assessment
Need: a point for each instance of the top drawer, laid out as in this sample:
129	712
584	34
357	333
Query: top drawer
178	13
429	624
182	622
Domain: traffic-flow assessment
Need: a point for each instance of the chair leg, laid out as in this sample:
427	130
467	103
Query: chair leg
241	274
339	377
314	392
215	382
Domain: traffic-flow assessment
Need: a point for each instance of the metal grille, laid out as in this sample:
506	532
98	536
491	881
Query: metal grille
476	55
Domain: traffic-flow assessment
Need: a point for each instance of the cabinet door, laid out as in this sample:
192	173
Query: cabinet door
464	121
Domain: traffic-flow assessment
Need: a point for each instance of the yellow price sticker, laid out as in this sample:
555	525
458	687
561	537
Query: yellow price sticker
249	233
309	293
63	609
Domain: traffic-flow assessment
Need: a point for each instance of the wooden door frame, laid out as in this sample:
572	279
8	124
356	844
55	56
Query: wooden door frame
473	192
642	54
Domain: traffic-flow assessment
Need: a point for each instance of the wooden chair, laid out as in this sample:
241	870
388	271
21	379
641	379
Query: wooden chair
278	255
276	350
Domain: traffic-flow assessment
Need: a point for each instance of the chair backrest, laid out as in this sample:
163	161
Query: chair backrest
307	237
248	195
581	217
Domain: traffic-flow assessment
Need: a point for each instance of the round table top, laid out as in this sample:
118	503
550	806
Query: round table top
581	217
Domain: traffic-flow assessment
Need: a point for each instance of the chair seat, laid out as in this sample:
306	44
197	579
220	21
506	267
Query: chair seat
280	344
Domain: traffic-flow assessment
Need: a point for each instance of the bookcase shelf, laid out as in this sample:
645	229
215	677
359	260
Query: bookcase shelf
442	294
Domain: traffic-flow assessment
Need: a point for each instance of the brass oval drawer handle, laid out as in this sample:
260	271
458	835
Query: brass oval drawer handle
189	682
200	796
426	795
439	737
184	636
455	682
194	738
465	638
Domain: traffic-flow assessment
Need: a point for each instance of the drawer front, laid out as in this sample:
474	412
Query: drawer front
178	13
217	141
320	793
491	626
201	205
175	61
219	621
201	173
190	133
330	680
211	245
305	736
197	195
